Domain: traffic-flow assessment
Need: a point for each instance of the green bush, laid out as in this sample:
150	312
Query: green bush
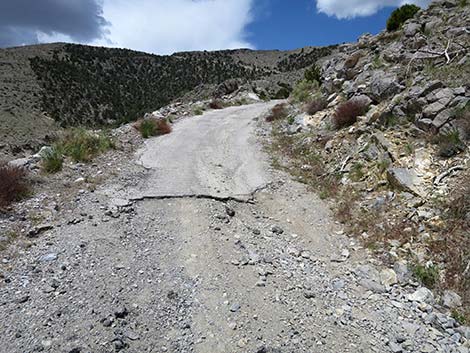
427	275
153	127
52	160
313	74
282	93
400	15
303	91
82	145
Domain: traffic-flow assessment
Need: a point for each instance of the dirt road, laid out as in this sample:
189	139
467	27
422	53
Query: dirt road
211	251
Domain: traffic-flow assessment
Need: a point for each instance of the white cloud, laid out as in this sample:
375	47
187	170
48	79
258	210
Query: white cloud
168	26
346	9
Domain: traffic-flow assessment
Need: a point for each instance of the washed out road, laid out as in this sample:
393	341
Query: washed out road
209	251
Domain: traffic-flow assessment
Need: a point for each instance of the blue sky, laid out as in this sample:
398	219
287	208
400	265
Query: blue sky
168	26
280	24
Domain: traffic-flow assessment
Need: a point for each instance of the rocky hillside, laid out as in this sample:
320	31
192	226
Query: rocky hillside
386	137
76	84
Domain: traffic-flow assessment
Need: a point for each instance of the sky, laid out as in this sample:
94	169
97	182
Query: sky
168	26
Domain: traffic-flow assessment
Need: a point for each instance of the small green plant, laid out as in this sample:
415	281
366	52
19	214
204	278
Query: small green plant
82	145
400	15
427	275
377	63
383	165
291	120
357	172
198	111
152	127
52	160
313	74
459	317
282	93
463	3
409	149
303	91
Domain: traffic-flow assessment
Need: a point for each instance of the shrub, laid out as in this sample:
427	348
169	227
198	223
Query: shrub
153	127
346	114
400	15
313	74
303	91
216	104
315	105
283	93
279	111
14	184
427	275
52	160
82	145
198	111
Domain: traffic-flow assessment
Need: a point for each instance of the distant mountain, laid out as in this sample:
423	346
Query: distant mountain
70	84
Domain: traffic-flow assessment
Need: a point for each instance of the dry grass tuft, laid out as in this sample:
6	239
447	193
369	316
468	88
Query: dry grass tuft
346	114
315	105
153	127
13	185
278	112
216	104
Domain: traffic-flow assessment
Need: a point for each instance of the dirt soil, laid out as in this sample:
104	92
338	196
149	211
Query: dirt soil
210	250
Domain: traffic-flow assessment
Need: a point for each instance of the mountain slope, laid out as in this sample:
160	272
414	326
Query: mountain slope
73	84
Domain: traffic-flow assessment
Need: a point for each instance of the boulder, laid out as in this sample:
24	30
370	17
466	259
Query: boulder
433	109
422	295
404	179
411	29
388	277
383	86
451	299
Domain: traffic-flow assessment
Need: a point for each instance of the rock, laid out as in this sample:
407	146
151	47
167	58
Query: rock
441	118
422	295
362	99
22	299
411	29
20	162
36	231
395	347
451	299
235	307
388	277
433	109
230	211
309	294
404	179
402	271
277	230
431	86
48	257
352	60
383	86
372	285
121	312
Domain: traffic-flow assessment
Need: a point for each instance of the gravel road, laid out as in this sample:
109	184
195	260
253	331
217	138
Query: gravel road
212	251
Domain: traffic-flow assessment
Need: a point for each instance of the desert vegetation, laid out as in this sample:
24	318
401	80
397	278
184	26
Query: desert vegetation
346	113
153	127
400	15
278	112
14	184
